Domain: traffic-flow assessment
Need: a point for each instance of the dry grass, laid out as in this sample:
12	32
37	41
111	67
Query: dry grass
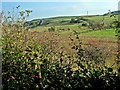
60	42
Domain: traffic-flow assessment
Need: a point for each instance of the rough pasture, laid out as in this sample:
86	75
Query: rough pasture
61	42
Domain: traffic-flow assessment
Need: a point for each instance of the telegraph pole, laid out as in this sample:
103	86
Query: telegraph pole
87	13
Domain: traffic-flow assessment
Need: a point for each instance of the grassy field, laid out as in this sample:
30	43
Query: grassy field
83	31
109	33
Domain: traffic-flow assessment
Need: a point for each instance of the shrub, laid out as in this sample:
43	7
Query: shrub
51	29
95	25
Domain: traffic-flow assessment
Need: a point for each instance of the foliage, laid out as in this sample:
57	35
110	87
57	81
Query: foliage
51	29
95	25
78	20
28	66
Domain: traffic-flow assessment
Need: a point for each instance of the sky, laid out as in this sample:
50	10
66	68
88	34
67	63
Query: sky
53	9
60	0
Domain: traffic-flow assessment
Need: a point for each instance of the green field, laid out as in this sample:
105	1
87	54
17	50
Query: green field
110	33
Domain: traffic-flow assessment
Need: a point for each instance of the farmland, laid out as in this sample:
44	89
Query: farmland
104	39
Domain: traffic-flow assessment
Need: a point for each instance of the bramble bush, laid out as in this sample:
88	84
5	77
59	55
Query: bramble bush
27	65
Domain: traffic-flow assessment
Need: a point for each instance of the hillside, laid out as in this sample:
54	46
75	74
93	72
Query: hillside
113	13
69	20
